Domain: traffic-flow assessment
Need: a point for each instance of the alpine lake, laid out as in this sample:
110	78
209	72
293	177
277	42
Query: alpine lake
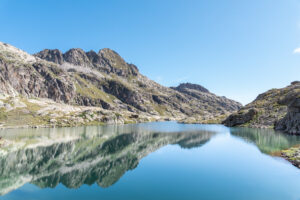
159	160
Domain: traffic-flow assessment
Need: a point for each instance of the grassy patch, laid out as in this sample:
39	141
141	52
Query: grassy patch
160	109
23	116
87	89
3	114
216	120
20	117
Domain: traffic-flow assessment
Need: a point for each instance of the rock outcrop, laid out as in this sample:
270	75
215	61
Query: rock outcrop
240	118
276	108
291	121
53	55
184	87
23	74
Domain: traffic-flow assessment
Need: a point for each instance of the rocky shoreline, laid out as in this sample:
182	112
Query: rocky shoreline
277	108
292	155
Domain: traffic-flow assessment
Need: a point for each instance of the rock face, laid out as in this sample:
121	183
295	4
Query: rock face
54	55
276	108
291	122
104	80
23	74
240	118
210	100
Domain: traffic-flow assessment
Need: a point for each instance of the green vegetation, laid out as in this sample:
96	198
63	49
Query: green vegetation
292	154
3	114
129	122
31	106
159	108
87	89
216	120
21	116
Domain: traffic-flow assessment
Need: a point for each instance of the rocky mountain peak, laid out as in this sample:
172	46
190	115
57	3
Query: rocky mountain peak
97	61
13	54
109	52
192	86
77	56
106	60
53	55
116	63
112	57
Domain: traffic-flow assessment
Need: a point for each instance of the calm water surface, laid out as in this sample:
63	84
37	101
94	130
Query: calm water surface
162	160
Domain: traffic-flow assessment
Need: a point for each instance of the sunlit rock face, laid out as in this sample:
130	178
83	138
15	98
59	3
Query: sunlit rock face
26	75
102	80
82	155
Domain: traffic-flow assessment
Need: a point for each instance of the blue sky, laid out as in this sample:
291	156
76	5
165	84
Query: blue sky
234	48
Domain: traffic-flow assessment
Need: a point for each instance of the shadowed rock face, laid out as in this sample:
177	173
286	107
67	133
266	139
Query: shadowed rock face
240	118
53	55
276	108
80	156
291	121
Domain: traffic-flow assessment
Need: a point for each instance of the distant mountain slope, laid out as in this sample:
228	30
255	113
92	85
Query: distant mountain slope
209	100
276	108
102	80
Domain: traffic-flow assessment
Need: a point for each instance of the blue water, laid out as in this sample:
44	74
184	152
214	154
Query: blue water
162	160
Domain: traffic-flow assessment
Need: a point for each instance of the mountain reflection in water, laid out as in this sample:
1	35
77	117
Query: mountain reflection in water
101	155
267	140
84	155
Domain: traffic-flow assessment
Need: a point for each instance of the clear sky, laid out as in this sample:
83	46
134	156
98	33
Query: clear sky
235	48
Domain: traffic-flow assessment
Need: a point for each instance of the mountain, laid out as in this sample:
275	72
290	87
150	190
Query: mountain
78	87
276	108
209	100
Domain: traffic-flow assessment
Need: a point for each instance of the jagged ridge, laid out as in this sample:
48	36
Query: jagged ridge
102	80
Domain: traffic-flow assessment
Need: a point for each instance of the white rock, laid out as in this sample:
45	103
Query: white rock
53	120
